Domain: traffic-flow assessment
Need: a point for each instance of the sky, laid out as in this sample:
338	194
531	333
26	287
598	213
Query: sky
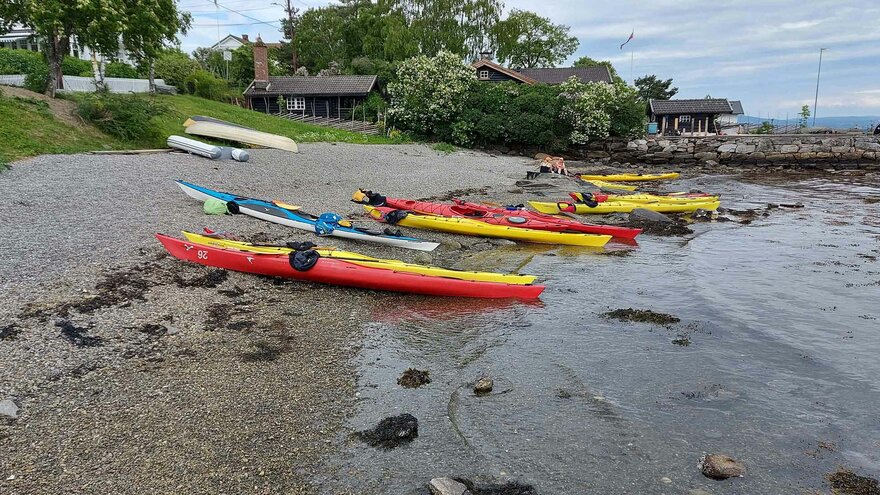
765	53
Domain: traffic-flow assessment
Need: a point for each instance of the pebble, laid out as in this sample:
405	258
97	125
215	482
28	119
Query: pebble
8	408
447	486
483	385
666	480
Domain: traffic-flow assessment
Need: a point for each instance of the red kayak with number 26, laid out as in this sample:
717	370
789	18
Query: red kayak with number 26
309	266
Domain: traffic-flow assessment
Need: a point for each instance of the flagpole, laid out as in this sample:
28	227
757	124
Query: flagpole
632	57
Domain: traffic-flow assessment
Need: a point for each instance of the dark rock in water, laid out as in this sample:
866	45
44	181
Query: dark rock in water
9	332
682	341
77	335
413	378
846	482
391	432
701	215
483	386
721	467
660	228
509	488
447	486
642	214
642	316
563	394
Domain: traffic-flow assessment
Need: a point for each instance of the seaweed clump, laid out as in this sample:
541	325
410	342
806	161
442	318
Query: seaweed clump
845	482
413	378
642	316
391	432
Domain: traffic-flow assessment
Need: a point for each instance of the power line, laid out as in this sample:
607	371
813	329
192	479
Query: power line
258	21
234	24
194	12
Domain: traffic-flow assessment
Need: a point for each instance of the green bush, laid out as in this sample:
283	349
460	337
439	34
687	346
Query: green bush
72	66
175	67
203	83
119	69
32	64
371	107
124	116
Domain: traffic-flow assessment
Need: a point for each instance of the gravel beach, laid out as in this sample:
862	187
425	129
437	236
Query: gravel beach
137	373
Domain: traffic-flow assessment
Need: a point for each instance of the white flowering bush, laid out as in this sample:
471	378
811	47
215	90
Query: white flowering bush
596	111
430	93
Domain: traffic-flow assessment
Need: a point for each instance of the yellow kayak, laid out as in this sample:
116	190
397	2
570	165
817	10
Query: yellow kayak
621	207
652	198
601	184
363	260
631	177
466	226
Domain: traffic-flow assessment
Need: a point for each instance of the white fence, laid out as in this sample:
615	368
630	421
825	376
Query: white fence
79	84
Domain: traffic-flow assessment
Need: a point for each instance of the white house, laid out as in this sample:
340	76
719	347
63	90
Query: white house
230	42
22	38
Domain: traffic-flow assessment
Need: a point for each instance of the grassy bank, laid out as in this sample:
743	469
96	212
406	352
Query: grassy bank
29	127
34	125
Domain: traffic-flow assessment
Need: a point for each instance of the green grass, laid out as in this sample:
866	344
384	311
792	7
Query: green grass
28	128
184	106
444	148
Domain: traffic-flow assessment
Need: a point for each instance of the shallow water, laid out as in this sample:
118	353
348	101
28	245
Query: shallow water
782	322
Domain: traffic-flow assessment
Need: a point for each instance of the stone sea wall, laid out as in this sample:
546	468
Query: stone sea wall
807	151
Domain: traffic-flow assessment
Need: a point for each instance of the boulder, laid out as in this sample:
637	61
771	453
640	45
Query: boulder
641	214
483	386
8	408
721	466
788	148
727	148
447	486
745	148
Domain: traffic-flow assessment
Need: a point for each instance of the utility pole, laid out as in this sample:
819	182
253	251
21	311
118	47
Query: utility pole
291	16
818	74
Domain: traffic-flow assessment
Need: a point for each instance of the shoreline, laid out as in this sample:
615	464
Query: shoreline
134	371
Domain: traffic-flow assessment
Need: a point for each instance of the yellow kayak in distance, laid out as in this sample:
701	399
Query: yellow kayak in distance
610	185
631	177
368	261
620	207
650	198
466	226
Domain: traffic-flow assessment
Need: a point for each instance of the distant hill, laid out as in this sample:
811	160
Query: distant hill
862	122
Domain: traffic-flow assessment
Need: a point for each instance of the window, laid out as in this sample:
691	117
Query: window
484	74
684	119
296	103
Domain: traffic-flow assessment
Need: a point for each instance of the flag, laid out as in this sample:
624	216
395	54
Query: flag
628	39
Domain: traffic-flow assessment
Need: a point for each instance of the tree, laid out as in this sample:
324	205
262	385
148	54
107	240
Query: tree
526	39
210	60
175	67
598	110
96	24
149	27
653	88
430	92
589	62
804	116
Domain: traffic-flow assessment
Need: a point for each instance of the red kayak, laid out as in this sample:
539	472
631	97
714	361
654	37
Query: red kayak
508	217
307	265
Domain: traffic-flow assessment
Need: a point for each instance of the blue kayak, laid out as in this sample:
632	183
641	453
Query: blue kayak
326	224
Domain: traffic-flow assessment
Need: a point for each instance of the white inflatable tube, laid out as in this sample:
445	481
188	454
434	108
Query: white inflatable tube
194	147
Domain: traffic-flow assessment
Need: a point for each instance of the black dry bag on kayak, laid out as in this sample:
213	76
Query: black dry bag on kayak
232	207
302	261
300	246
396	216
